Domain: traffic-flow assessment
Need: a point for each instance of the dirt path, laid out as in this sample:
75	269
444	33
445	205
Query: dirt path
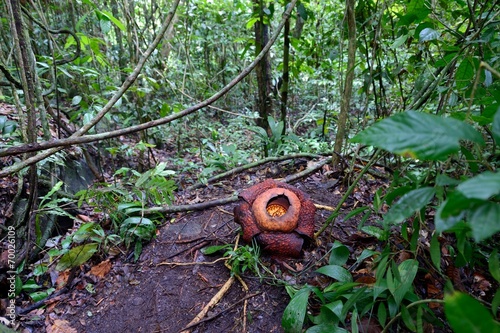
153	296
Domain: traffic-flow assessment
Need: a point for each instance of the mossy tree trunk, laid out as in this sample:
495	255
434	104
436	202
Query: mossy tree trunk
25	59
263	69
347	86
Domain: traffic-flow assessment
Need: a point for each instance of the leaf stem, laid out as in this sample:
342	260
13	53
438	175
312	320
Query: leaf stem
335	212
422	301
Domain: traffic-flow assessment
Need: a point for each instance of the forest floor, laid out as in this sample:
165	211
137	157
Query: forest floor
173	280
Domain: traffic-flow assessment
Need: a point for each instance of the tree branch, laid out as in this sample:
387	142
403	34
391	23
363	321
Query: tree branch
77	138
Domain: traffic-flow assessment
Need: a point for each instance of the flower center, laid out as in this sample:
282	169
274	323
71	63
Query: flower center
278	206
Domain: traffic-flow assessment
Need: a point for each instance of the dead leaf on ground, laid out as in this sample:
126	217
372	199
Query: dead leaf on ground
60	326
62	279
101	270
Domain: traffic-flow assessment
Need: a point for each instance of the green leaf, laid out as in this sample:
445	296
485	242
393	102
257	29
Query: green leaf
465	73
408	204
367	253
435	251
352	299
482	186
407	271
336	308
456	204
382	313
407	319
339	254
419	135
376	232
484	220
302	11
495	303
39	295
214	249
496	126
295	312
76	256
326	328
5	329
113	19
494	265
465	314
355	212
428	34
76	100
336	272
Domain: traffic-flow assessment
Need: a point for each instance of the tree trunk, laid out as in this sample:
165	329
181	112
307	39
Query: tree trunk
347	86
25	59
286	72
263	69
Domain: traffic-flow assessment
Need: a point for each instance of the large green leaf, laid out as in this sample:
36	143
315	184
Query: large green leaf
295	312
76	256
339	254
465	73
484	220
466	315
419	135
338	273
482	186
408	204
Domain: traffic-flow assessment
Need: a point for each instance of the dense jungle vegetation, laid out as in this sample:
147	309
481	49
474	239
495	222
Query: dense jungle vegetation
160	97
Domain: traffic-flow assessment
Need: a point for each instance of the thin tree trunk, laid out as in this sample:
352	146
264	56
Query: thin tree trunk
347	89
286	72
263	69
25	58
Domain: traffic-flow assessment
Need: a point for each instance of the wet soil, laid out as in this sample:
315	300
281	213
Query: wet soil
155	295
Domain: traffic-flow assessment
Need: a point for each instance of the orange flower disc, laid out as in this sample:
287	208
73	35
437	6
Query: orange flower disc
277	209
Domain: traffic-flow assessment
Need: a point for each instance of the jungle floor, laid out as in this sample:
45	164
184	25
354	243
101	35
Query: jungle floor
172	281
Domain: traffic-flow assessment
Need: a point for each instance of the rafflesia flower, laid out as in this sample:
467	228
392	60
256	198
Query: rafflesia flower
279	216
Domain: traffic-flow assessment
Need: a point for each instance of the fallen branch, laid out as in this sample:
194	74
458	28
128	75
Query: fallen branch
244	299
234	198
186	208
306	172
210	304
174	264
239	169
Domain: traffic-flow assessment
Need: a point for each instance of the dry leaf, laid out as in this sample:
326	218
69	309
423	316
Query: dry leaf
102	269
84	218
60	326
62	279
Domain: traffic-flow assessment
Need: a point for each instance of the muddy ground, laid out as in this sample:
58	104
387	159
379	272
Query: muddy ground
173	280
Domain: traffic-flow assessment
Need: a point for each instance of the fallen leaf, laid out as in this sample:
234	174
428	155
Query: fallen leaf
62	279
84	218
60	326
102	269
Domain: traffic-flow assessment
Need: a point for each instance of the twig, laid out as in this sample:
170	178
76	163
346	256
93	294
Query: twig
234	198
196	246
185	208
210	304
244	299
306	172
169	263
333	215
234	171
329	208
